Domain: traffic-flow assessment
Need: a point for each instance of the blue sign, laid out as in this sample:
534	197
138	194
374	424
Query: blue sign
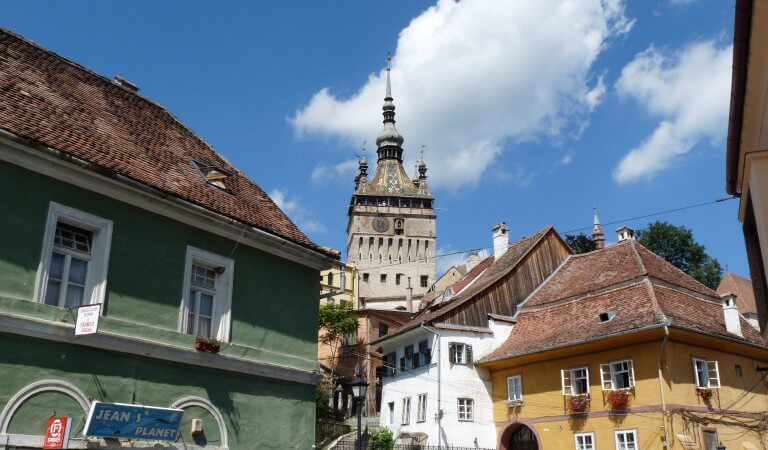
123	421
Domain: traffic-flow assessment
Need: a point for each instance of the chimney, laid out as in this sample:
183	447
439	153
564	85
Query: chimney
500	240
120	81
625	233
598	236
731	314
409	297
473	259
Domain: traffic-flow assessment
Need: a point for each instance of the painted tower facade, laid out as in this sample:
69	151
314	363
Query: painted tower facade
391	229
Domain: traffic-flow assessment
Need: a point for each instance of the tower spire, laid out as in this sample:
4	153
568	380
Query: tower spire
389	141
598	236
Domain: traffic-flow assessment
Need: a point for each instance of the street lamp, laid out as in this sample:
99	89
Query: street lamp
720	447
359	389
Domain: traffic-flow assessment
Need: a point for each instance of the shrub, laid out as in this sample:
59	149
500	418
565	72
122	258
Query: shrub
382	439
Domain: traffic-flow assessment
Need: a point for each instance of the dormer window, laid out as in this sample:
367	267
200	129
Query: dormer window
606	317
213	176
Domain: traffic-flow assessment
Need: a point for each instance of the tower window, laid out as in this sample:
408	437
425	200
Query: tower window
397	278
424	281
383	277
365	277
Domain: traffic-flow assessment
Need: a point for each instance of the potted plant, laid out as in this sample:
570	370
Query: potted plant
704	393
205	344
618	399
578	403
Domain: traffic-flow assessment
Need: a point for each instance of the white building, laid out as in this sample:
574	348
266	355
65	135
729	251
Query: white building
433	393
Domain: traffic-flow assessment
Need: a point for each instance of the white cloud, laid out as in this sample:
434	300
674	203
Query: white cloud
344	170
688	91
452	257
302	217
471	77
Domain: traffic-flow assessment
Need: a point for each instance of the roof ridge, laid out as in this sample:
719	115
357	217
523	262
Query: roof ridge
638	257
652	293
674	267
632	282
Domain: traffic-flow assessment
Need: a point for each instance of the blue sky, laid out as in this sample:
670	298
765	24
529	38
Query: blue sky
530	115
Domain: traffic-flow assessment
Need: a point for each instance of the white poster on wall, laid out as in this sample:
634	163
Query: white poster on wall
87	319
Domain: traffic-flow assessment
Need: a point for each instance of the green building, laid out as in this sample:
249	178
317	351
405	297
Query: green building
108	199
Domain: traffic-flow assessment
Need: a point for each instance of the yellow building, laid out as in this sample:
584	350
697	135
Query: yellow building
331	281
620	350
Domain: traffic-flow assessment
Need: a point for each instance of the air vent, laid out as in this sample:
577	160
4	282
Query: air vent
606	317
213	176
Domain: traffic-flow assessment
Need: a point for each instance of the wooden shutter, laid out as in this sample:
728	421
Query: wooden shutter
605	377
451	353
697	382
565	381
468	354
714	374
631	374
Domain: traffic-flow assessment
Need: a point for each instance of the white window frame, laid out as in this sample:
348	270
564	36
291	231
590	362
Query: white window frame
625	433
101	240
421	408
469	409
511	398
567	379
464	355
222	301
711	371
406	418
391	409
607	375
584	446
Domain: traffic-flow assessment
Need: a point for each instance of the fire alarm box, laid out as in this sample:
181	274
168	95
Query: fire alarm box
197	427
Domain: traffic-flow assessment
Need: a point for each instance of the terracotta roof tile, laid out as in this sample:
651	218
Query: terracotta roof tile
742	287
46	99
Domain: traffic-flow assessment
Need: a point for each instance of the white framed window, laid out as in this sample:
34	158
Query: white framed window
206	302
585	441
391	406
515	389
617	375
466	409
406	419
706	373
421	408
459	353
626	440
349	338
575	381
74	259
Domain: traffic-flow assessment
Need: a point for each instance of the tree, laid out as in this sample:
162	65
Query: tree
580	243
677	246
335	320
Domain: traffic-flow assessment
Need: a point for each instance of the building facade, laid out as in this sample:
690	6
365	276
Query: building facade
111	201
433	391
619	350
391	234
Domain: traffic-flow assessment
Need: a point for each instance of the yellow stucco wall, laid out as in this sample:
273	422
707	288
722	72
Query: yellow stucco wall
544	407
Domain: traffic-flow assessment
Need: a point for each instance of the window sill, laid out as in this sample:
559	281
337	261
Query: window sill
514	403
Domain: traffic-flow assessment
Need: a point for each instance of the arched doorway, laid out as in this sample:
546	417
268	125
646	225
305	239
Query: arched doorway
523	438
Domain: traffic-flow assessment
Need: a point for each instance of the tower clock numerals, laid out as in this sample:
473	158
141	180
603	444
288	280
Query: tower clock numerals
380	224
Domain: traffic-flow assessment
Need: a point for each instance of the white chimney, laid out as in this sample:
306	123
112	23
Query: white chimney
473	259
731	314
625	233
500	240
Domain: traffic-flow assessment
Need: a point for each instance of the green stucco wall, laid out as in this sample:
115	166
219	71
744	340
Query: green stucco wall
274	320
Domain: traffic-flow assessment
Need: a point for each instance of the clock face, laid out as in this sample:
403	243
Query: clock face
380	224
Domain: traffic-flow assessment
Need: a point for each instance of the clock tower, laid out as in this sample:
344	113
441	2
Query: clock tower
391	228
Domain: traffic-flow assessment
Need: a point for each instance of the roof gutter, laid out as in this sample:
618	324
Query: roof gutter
257	233
741	43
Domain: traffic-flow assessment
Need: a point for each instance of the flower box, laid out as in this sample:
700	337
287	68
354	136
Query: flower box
618	399
203	344
578	403
704	393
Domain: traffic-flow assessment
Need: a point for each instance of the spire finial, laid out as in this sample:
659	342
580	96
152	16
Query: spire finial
362	150
388	94
422	152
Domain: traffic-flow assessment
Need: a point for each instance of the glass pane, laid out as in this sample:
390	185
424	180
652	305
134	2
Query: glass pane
206	305
52	292
190	323
77	271
204	327
74	296
57	266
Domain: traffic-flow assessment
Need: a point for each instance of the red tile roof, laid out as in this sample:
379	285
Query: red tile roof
627	280
48	100
742	287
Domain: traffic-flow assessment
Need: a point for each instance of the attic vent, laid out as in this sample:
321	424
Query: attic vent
213	176
606	317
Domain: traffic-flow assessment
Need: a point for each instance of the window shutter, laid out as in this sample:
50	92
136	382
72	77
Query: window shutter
586	371
402	363
451	353
696	381
631	374
468	354
565	381
605	377
714	374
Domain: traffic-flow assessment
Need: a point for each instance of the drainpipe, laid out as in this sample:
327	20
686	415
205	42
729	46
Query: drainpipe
439	363
661	386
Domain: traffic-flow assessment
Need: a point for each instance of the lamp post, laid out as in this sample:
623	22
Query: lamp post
359	389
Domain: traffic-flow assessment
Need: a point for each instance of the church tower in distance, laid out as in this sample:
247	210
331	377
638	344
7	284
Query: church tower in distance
391	228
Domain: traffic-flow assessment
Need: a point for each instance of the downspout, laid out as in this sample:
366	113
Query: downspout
438	413
661	387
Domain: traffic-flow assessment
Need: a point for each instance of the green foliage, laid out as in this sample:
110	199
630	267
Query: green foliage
323	394
677	246
335	320
580	243
382	439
